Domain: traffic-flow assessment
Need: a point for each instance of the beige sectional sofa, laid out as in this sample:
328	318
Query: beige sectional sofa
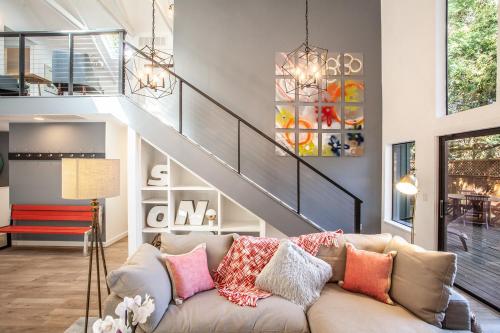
336	311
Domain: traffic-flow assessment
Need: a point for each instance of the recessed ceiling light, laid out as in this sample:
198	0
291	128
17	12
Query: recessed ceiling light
38	118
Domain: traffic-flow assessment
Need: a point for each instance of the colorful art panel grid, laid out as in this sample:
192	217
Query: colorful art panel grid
325	122
284	116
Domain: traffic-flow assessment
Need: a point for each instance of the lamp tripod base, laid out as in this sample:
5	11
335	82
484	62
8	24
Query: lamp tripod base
413	219
96	247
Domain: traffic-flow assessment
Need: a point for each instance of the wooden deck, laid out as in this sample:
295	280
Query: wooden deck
479	267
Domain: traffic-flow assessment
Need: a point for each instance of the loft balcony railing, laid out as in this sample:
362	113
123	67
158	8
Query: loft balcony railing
93	63
36	63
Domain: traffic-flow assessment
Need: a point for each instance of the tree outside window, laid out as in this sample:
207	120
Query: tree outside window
472	54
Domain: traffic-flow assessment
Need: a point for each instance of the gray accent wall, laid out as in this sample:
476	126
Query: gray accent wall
227	48
39	182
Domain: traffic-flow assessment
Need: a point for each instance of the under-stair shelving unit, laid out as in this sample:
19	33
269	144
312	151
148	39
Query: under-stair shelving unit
185	185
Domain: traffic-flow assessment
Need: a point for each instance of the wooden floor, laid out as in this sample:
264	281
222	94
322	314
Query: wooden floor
42	290
479	267
488	317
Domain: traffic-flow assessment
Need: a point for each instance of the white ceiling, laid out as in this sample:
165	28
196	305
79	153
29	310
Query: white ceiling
54	15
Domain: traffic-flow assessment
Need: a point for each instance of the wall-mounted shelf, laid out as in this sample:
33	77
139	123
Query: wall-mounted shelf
150	230
189	227
184	185
155	188
193	188
155	201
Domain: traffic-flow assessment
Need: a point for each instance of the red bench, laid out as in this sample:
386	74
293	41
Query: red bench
40	213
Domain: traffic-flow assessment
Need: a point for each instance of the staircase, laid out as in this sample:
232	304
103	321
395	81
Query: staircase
218	145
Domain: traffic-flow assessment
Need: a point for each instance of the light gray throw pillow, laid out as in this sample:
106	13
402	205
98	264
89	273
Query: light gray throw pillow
294	274
144	273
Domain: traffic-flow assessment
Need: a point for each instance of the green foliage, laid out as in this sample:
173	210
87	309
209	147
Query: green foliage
475	148
472	53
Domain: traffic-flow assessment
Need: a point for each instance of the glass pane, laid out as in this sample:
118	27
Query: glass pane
403	162
48	73
472	53
96	64
9	66
472	212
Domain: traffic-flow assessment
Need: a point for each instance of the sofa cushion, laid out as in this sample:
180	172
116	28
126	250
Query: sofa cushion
294	274
422	280
368	273
340	311
217	246
189	272
144	273
210	312
335	256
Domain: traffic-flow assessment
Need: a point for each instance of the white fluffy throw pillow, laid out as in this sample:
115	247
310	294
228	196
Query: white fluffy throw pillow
294	274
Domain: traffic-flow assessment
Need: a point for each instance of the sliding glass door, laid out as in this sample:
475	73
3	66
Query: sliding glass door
469	209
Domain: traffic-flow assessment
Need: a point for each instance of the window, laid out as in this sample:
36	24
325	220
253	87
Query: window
403	161
472	54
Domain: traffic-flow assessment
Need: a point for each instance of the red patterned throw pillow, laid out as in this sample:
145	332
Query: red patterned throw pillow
368	273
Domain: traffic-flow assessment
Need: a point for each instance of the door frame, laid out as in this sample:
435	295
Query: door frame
441	191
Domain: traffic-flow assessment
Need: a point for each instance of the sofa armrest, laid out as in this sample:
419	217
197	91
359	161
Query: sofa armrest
457	315
110	304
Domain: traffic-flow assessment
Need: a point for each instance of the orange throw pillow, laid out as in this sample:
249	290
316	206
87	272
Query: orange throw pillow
368	273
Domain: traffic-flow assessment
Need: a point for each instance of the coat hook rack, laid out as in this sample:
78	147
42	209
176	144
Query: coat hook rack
51	156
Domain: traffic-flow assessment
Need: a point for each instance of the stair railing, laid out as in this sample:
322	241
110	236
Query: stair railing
300	162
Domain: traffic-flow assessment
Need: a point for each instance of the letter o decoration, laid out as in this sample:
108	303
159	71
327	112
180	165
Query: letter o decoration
157	217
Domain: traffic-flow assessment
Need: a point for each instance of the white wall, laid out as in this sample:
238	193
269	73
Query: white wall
4	212
116	208
413	81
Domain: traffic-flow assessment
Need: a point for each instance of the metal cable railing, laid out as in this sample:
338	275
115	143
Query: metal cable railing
45	63
239	135
93	63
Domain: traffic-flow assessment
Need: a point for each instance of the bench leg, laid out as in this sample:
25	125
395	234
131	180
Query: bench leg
86	244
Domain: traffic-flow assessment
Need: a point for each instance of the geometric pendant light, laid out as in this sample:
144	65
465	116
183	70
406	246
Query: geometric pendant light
307	65
147	69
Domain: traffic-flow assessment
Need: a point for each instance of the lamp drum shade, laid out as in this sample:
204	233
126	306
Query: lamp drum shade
90	178
408	184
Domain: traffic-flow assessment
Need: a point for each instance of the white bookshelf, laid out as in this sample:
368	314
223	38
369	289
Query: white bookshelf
155	188
185	185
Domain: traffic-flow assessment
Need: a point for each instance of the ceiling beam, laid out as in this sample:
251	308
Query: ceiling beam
164	16
66	15
124	22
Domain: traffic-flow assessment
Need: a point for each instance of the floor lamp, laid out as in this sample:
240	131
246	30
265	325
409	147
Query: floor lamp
92	179
408	184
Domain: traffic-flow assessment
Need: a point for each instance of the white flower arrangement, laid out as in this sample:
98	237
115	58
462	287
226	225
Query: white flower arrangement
131	312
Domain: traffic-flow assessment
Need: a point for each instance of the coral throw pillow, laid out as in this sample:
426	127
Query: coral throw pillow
189	273
368	273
